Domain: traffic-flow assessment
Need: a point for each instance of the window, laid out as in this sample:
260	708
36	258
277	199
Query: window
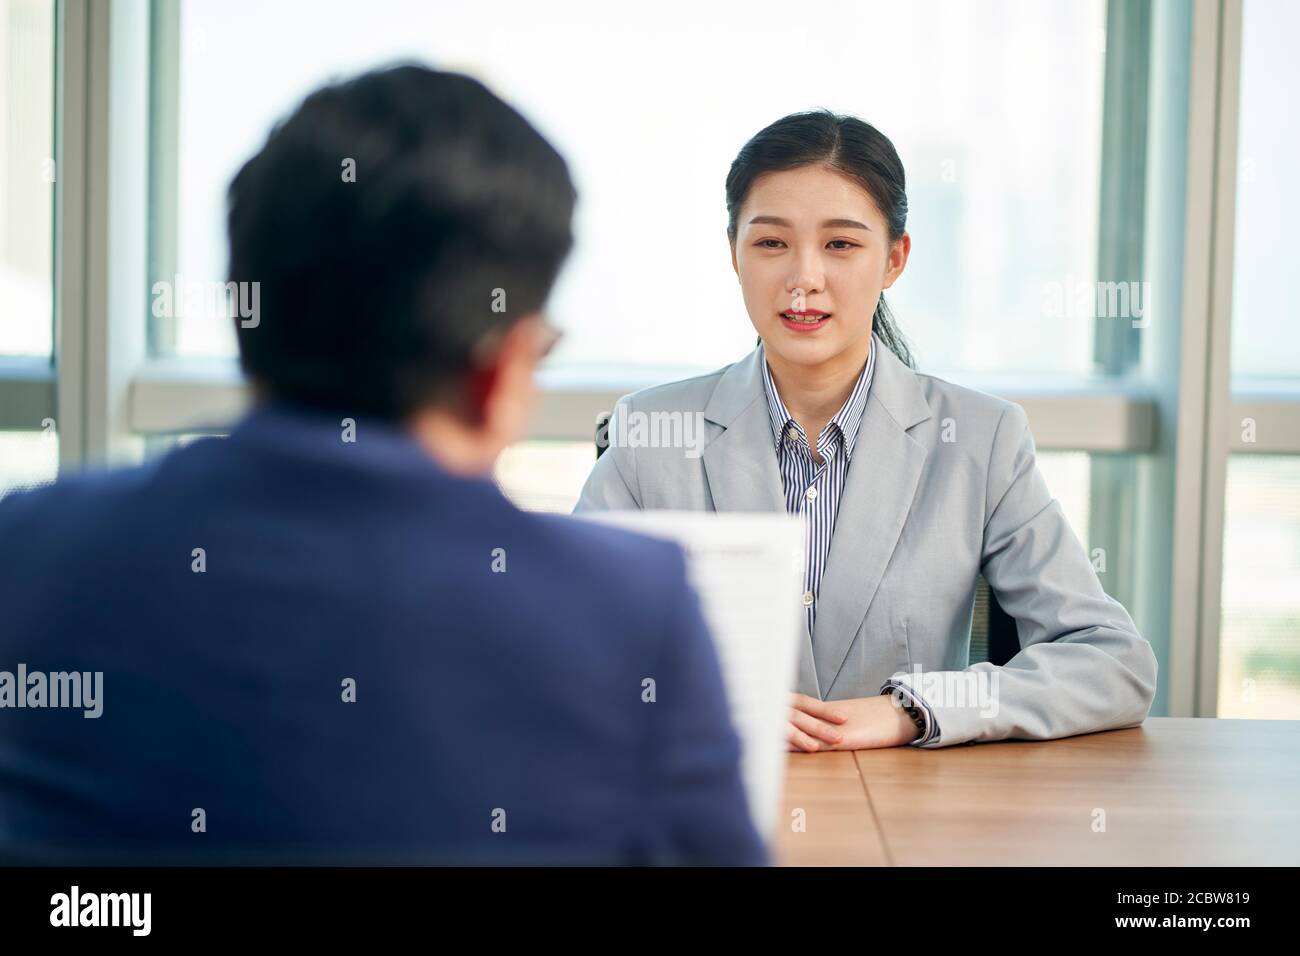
27	458
1259	639
1259	664
1002	173
1265	343
27	175
28	446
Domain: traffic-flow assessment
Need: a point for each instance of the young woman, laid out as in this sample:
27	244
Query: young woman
909	487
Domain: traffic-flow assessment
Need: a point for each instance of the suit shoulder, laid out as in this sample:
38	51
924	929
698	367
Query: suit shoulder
605	548
73	500
635	577
970	405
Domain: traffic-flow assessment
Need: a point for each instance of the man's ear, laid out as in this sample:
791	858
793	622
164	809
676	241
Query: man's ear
897	261
501	391
479	386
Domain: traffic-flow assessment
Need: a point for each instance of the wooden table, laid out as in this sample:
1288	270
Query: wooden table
1172	792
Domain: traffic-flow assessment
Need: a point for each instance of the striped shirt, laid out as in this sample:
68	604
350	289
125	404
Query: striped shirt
813	491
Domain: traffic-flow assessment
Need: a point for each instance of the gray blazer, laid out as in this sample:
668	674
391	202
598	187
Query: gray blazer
943	486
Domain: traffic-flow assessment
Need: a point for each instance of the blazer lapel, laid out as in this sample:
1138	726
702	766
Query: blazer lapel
878	492
741	462
741	466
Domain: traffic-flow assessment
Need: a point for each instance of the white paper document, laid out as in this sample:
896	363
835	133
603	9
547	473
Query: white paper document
748	572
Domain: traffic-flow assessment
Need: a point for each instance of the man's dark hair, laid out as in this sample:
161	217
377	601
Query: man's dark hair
374	292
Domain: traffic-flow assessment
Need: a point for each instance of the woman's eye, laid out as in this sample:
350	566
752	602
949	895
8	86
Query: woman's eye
842	244
763	243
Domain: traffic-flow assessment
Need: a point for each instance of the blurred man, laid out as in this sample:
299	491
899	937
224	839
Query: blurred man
329	637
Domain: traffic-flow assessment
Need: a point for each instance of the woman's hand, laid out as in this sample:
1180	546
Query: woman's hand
862	723
811	725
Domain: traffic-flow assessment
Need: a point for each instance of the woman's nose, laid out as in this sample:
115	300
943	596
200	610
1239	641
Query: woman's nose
807	278
807	273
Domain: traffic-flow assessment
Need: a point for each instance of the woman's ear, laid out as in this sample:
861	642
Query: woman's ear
897	261
734	265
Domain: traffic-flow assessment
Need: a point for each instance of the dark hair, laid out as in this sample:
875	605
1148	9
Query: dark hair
847	145
375	288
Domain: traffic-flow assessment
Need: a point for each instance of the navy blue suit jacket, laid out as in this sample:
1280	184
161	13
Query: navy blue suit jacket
498	715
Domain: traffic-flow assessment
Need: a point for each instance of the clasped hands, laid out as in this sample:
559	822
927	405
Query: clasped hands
861	723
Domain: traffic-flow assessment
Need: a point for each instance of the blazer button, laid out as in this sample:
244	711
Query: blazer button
807	598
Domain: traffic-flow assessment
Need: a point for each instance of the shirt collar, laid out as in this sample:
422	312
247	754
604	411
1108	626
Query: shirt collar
847	419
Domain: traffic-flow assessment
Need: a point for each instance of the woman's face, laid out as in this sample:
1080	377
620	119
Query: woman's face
811	241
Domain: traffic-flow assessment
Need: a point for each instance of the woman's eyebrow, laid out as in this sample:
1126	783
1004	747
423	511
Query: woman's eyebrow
828	224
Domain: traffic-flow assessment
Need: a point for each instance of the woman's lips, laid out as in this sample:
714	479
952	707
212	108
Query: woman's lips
809	321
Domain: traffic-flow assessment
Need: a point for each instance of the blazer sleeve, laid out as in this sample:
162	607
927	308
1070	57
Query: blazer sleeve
612	484
1082	666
